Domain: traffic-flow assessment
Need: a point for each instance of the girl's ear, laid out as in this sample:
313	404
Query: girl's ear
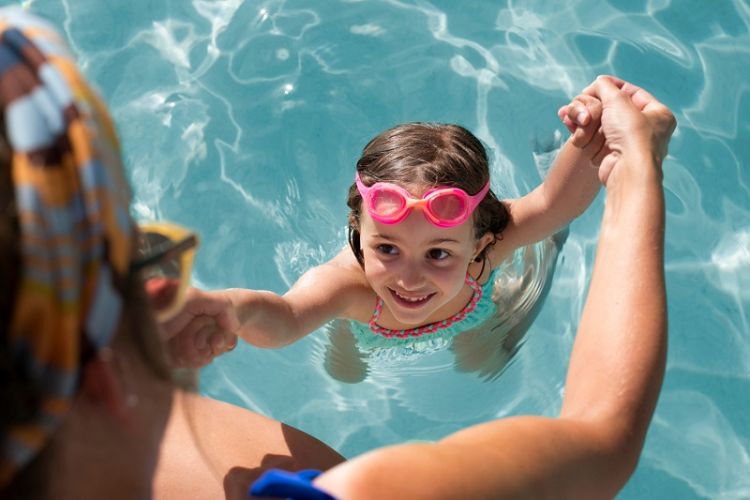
486	239
103	385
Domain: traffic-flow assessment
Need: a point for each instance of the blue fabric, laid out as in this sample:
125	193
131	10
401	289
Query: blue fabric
367	339
290	485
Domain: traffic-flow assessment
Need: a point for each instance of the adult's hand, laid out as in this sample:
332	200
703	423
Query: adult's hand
203	329
635	125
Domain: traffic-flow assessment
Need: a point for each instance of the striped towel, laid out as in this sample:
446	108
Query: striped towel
75	229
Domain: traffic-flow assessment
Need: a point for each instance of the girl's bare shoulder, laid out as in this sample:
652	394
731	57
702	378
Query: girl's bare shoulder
353	282
342	281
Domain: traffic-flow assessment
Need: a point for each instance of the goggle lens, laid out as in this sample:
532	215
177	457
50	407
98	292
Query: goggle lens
165	257
387	203
169	266
447	207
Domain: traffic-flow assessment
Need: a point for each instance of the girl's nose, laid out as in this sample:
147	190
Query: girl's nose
412	278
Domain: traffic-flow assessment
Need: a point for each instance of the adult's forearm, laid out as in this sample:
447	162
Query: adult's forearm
617	364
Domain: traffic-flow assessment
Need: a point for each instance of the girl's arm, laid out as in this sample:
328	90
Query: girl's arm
323	293
569	188
210	321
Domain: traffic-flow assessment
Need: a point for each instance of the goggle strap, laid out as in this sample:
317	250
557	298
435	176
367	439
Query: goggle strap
164	251
476	199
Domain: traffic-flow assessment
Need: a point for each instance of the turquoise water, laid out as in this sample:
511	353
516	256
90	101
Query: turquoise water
244	119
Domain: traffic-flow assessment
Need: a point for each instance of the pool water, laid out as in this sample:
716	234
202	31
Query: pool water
244	120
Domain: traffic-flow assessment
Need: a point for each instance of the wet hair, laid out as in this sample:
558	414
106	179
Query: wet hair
419	156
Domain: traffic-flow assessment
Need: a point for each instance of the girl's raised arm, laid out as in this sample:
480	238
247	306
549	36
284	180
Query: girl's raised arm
570	186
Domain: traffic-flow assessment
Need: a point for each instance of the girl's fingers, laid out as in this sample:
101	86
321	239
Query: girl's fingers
585	113
592	105
568	118
577	113
222	342
569	125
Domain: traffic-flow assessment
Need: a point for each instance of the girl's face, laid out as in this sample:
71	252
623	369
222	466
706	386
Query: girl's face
416	267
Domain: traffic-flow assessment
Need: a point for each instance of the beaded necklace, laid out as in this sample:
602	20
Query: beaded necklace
432	327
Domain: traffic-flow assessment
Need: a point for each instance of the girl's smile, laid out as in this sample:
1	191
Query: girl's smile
410	301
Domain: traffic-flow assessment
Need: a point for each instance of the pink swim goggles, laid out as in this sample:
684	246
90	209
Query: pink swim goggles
443	206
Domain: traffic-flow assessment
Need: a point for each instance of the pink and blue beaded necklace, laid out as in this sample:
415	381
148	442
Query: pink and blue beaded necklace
432	327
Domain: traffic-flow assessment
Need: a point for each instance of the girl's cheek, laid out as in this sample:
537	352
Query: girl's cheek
375	268
449	278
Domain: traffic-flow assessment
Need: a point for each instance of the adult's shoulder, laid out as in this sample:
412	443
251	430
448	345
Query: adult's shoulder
213	449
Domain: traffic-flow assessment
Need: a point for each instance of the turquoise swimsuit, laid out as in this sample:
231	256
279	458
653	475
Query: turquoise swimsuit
484	309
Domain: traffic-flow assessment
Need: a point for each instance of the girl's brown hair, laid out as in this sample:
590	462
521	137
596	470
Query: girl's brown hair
426	155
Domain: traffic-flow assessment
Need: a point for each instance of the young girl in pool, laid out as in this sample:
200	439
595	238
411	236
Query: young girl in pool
425	233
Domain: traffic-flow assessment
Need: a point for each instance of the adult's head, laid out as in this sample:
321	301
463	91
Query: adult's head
66	242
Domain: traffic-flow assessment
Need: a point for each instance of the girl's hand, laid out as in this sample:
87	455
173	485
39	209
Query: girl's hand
582	117
203	329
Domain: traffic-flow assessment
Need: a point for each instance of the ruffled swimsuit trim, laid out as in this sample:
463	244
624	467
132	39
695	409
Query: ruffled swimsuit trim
432	327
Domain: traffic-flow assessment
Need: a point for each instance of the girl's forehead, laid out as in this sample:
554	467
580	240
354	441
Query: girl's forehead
417	231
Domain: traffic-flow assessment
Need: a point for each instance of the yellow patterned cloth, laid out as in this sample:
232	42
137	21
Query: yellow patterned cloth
75	229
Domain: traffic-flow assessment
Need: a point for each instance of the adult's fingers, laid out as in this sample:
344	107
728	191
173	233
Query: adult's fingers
599	144
193	346
607	89
640	97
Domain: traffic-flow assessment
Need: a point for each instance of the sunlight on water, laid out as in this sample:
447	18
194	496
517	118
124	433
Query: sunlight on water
244	120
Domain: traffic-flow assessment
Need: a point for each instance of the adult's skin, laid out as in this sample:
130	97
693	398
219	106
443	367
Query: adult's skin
616	368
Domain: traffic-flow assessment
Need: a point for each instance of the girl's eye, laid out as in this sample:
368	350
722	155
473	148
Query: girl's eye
387	249
438	254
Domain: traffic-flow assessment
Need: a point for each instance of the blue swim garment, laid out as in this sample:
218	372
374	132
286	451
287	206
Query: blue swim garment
290	485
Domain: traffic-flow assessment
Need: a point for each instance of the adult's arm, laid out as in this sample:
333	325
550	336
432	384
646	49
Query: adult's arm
616	367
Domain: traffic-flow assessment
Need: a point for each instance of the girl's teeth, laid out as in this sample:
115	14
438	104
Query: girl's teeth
411	299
